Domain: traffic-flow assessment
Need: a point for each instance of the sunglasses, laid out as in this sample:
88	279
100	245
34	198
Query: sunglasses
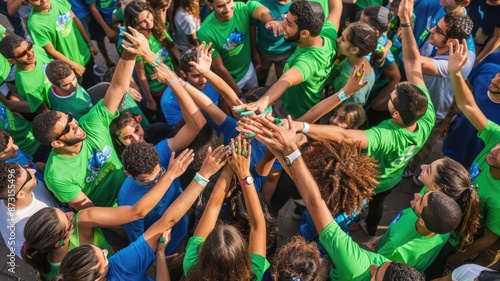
67	128
71	227
152	181
25	52
28	178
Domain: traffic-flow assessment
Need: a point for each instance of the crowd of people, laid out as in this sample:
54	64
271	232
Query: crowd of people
174	162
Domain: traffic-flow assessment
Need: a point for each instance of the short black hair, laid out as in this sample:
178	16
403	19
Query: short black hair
57	70
43	126
411	102
7	170
442	214
140	158
187	56
305	17
9	43
4	139
397	271
488	275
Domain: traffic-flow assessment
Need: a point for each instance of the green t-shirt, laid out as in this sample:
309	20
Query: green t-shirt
393	146
404	244
156	47
78	103
33	85
231	39
96	171
57	27
19	129
315	65
340	75
5	66
74	242
489	187
362	4
129	104
351	261
259	263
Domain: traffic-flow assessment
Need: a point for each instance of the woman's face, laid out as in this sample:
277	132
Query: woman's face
103	264
343	45
339	118
145	20
428	175
131	133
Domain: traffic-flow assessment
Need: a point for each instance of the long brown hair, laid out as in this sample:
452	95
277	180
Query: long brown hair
79	264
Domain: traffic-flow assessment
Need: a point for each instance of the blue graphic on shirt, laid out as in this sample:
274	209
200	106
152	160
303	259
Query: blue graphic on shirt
62	23
99	158
474	171
234	42
4	117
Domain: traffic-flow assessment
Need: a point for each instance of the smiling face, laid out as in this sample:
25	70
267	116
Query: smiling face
69	132
291	30
344	47
224	9
428	175
493	158
339	118
494	86
145	21
131	133
23	55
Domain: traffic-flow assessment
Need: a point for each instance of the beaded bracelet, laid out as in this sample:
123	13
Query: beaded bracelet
156	62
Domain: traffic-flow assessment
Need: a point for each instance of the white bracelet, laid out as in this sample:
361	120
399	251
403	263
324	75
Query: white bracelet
306	128
342	96
200	179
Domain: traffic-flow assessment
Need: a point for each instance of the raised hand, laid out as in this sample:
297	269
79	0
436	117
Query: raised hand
276	27
405	11
240	157
165	238
213	161
258	107
355	81
204	58
177	166
137	44
458	55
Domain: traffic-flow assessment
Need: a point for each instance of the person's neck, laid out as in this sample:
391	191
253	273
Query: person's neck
422	230
26	67
494	97
42	10
457	9
60	92
20	203
355	60
310	41
495	172
442	50
69	151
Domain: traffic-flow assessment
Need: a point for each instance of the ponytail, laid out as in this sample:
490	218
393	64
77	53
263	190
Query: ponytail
470	203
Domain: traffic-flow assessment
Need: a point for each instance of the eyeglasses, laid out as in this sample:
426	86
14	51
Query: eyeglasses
71	227
25	52
440	31
149	182
28	178
67	128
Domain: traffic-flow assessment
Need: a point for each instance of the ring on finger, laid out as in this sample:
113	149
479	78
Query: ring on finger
244	152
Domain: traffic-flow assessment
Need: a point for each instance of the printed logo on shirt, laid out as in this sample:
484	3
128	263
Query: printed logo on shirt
64	24
162	53
96	162
7	118
234	43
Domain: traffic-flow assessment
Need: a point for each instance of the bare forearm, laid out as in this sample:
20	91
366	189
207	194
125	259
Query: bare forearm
13	6
142	207
276	91
492	44
226	76
329	132
98	17
162	267
320	109
82	30
223	88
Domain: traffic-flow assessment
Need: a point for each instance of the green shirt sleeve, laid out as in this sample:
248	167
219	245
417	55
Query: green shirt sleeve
259	265
191	256
251	6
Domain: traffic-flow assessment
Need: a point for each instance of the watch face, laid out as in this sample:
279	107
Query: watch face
249	180
287	161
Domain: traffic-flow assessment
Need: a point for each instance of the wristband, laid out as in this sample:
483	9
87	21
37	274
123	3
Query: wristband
405	24
200	179
89	44
342	96
173	81
156	62
306	128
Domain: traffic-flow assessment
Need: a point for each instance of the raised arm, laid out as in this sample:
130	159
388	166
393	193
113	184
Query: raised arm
335	12
463	96
240	163
411	54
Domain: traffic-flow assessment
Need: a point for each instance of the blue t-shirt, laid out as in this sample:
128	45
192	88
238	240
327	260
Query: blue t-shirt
24	159
131	262
171	108
79	8
469	146
106	7
428	13
131	192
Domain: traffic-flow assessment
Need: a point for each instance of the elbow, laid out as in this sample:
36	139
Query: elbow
138	214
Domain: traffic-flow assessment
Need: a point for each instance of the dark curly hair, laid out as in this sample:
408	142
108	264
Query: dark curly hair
4	139
397	271
43	126
345	176
305	17
411	102
298	259
8	172
140	158
57	70
459	26
190	54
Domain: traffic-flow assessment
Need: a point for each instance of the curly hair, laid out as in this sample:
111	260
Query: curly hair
305	17
459	26
187	56
159	27
397	271
223	256
140	158
345	176
43	127
9	43
8	172
411	102
4	139
298	258
80	264
453	180
57	70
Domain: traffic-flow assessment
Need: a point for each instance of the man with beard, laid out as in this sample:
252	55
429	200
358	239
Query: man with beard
485	80
83	168
228	28
485	170
308	68
31	82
